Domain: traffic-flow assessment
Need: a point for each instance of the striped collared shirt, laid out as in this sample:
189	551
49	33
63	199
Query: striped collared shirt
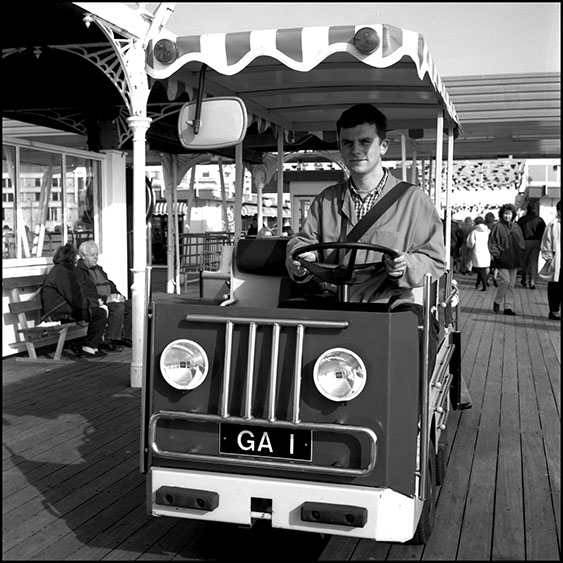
362	204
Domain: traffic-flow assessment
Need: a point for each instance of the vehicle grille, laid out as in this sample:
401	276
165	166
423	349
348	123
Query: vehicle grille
294	421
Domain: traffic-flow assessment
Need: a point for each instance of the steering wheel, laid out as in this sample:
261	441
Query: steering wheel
340	275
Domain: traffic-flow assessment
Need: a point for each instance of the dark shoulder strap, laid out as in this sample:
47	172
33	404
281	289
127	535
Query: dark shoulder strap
377	211
380	207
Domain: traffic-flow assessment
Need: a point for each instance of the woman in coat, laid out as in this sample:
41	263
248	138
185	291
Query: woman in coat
551	250
478	243
506	245
63	300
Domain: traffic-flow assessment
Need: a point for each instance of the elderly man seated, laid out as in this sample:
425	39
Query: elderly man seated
119	328
64	299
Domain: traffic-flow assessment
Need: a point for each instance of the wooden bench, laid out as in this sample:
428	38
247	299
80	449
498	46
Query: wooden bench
35	335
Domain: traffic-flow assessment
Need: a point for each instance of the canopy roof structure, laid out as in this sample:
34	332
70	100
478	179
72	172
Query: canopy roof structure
500	116
303	79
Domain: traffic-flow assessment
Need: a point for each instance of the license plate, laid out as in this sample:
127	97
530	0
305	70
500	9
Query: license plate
258	441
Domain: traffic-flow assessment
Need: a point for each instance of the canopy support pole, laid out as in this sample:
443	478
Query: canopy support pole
165	162
439	157
449	187
176	223
279	228
404	157
139	125
239	185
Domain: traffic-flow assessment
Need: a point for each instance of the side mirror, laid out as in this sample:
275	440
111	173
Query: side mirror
222	123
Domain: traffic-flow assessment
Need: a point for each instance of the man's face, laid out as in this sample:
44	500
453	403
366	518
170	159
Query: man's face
361	148
90	257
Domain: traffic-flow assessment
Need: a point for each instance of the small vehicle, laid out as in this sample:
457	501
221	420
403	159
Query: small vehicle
316	414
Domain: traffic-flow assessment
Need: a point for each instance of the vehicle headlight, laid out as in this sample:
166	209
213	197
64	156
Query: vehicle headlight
339	374
184	364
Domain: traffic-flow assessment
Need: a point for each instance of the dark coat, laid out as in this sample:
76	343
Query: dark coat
87	283
61	294
506	244
104	286
532	226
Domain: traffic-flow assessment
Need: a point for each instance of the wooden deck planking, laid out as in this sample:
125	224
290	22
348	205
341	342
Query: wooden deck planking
73	490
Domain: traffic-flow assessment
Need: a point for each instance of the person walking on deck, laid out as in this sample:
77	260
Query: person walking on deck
551	250
533	227
478	244
506	245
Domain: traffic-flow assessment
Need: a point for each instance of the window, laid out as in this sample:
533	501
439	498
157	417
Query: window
54	199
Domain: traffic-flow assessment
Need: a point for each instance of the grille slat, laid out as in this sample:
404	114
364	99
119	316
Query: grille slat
250	371
297	373
249	384
274	372
225	395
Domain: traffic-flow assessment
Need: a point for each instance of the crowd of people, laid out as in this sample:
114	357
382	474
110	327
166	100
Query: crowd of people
505	247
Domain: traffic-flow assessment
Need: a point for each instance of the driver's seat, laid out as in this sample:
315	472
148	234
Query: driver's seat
259	275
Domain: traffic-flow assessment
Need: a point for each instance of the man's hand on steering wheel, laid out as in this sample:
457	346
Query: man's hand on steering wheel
295	267
344	274
395	267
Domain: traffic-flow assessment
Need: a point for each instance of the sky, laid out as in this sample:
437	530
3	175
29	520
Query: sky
464	38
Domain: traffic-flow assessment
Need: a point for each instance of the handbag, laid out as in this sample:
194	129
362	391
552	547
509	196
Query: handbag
547	271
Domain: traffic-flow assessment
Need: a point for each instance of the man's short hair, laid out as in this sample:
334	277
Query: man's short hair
360	114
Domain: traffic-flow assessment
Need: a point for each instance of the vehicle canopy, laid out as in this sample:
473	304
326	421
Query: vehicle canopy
303	78
295	83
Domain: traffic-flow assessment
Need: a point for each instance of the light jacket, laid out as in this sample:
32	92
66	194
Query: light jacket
412	225
551	246
506	245
478	242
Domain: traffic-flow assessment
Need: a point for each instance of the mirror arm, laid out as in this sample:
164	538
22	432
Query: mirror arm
197	120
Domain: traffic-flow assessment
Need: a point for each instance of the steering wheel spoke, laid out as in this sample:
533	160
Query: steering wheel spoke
344	274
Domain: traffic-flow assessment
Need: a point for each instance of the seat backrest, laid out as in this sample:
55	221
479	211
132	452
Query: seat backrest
259	271
224	267
226	258
261	256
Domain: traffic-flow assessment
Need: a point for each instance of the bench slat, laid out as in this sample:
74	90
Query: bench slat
24	281
46	329
25	306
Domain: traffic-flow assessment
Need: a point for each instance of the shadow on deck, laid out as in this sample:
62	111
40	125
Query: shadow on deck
72	489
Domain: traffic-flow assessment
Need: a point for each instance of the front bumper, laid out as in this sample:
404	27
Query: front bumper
388	515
